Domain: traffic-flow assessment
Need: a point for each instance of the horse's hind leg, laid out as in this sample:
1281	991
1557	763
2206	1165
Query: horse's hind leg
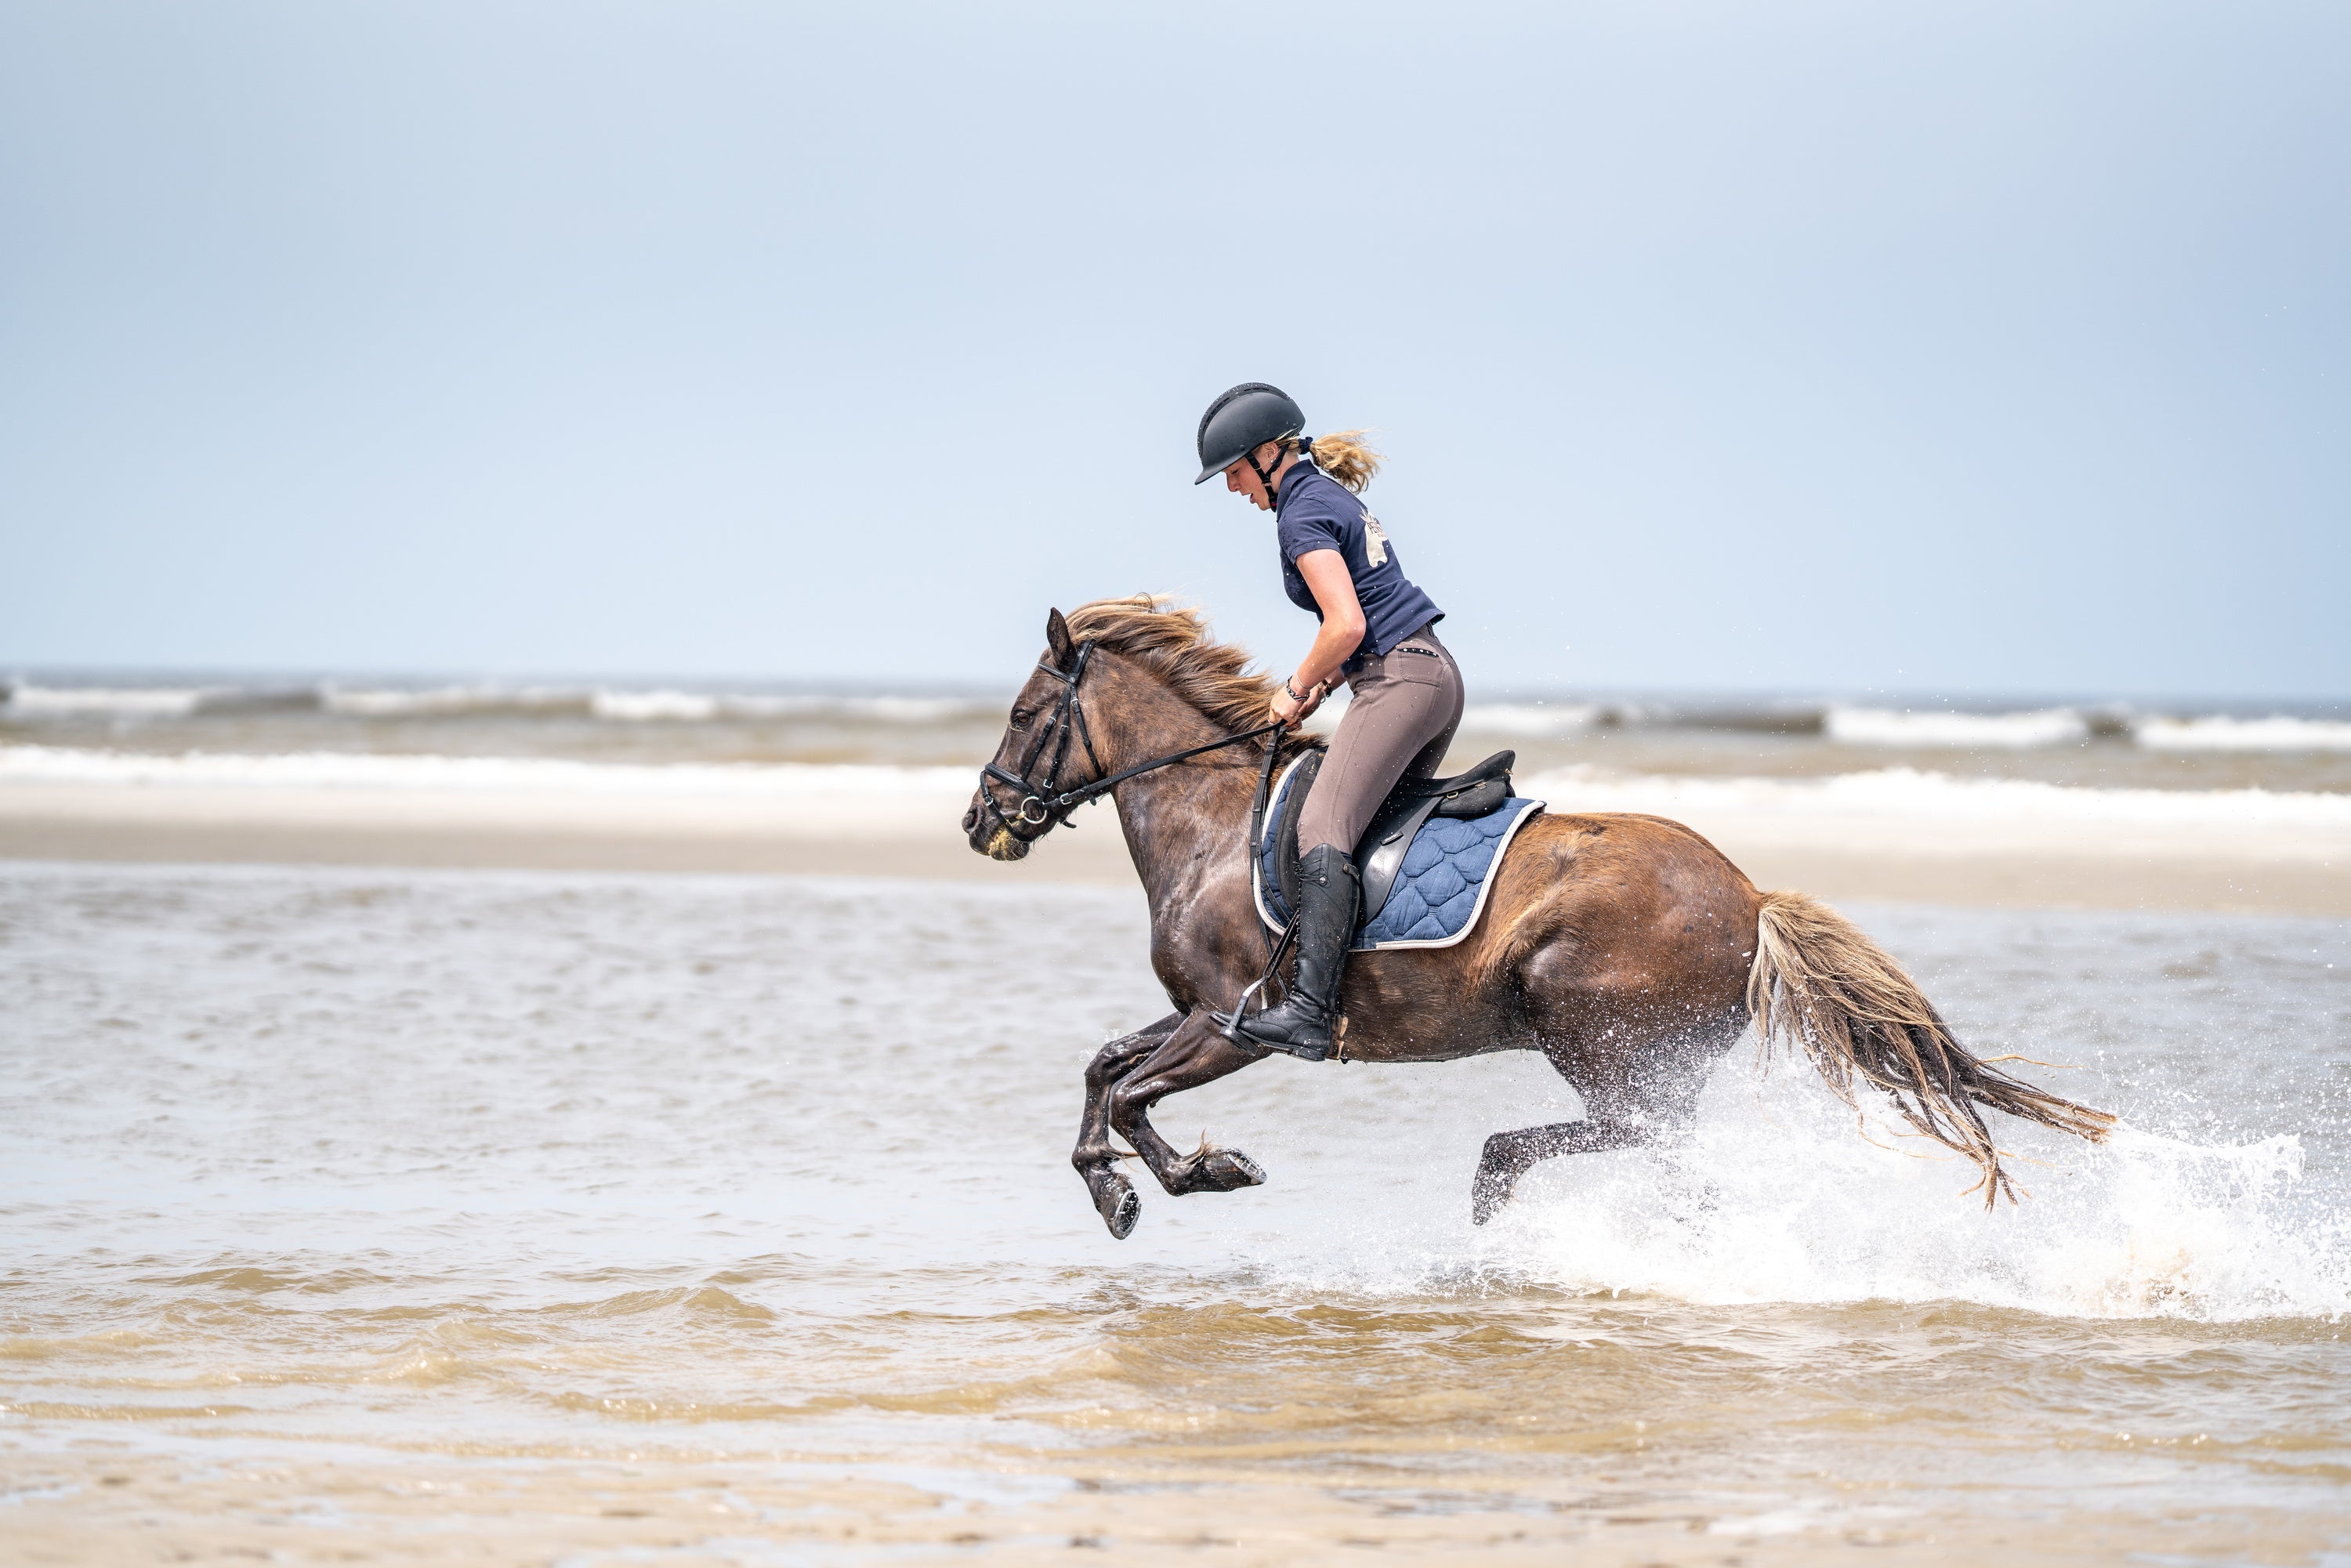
1195	1054
1636	1098
1095	1157
1510	1156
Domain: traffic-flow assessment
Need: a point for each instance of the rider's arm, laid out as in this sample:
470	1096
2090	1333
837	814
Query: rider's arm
1325	571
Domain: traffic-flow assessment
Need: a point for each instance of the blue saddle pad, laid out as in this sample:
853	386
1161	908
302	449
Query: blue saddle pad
1439	890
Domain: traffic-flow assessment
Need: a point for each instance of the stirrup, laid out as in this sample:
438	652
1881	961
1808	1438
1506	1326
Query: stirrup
1230	1026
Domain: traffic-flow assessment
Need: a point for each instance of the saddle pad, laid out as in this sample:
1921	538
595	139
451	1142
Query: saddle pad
1438	894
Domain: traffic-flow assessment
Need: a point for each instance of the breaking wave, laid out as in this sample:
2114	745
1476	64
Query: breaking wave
1915	792
634	706
1892	793
34	703
119	702
2219	732
28	703
442	702
362	770
1886	727
1531	721
1943	728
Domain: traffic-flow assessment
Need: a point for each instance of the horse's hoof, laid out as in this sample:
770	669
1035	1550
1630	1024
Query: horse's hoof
1120	1207
1486	1200
1230	1170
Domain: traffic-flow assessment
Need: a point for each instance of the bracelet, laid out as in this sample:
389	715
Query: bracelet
1292	690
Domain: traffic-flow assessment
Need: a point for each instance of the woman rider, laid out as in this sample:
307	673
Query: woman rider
1378	633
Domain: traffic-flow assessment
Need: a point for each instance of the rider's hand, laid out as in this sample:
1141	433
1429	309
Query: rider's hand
1288	709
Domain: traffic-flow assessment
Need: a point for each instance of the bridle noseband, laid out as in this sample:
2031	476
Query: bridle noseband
1068	715
1047	800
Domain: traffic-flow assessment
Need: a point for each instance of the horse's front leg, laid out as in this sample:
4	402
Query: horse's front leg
1094	1158
1195	1053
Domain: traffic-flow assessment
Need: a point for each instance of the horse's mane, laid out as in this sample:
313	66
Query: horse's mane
1171	641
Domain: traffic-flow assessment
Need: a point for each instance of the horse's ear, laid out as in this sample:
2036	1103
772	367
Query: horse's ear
1057	637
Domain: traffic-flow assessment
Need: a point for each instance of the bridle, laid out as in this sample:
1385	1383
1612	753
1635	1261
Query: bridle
1051	804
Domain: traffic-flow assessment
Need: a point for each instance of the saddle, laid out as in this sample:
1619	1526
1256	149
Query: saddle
1379	855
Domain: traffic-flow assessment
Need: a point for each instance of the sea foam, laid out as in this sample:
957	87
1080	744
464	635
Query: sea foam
30	702
1908	792
1531	721
2276	733
1886	727
1891	793
362	770
34	702
444	702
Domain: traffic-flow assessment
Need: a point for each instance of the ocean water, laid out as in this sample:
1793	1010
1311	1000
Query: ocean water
593	1218
2181	746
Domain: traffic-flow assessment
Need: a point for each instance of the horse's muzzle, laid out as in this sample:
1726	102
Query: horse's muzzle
989	833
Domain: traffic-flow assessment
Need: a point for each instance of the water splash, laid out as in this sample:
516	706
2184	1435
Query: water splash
1776	1195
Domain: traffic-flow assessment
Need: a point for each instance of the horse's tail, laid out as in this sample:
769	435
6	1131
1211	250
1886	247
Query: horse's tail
1820	983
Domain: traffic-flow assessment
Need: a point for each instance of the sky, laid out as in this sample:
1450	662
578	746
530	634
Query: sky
1961	347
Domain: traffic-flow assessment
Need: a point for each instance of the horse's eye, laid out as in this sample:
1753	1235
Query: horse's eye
1020	718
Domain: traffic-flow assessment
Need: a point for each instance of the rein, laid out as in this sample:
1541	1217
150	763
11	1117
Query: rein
1045	800
1069	718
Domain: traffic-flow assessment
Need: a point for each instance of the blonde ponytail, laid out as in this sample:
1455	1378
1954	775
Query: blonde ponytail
1344	457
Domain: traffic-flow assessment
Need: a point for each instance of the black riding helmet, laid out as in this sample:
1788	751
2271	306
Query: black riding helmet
1241	421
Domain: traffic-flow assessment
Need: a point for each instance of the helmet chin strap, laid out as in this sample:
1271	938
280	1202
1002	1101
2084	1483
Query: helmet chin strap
1265	476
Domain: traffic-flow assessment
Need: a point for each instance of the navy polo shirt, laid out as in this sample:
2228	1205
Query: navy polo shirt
1316	512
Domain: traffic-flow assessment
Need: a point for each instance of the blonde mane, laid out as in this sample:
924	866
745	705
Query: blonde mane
1171	641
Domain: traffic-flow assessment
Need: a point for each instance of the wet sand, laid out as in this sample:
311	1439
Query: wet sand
514	1217
305	1508
2253	868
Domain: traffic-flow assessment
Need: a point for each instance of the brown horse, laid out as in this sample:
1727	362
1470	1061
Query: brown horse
1626	949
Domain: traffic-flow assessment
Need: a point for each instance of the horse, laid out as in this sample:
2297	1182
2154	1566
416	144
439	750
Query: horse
1626	949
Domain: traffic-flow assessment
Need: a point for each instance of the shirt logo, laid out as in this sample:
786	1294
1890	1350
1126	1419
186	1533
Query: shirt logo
1376	541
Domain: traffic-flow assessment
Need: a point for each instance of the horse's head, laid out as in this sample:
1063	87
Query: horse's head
1139	676
1047	751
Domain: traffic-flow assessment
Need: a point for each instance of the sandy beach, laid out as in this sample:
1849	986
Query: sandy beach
1893	836
308	1507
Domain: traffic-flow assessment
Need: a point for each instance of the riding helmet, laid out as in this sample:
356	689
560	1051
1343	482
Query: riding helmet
1241	421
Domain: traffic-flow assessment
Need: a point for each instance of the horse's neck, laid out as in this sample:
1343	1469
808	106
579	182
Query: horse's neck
1185	822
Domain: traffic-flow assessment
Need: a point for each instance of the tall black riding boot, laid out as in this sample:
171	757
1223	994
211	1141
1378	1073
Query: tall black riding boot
1328	887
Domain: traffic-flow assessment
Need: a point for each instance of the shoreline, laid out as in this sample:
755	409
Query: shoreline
1834	844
